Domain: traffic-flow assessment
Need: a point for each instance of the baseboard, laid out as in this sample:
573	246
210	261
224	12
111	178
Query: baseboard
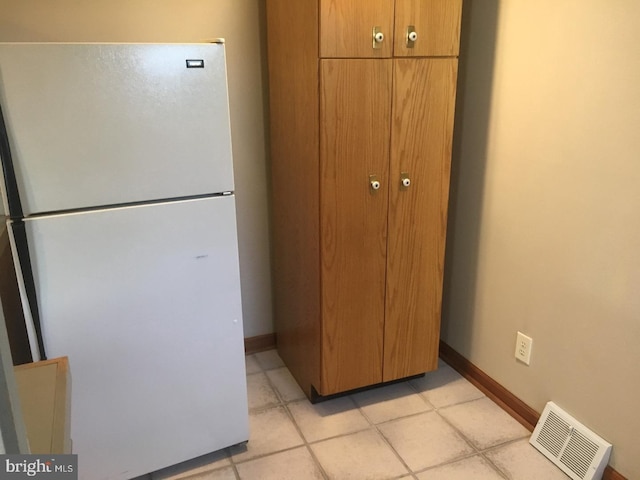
515	407
259	343
611	474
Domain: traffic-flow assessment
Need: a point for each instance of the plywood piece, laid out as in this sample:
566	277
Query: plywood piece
421	145
437	23
44	390
354	144
346	28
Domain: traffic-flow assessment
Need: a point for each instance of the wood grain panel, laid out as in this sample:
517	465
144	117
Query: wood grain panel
295	215
346	28
437	23
354	143
421	143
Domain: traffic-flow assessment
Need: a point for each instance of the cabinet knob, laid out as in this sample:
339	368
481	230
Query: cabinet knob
378	37
412	36
405	181
374	183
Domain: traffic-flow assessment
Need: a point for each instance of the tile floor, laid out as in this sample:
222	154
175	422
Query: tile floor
438	427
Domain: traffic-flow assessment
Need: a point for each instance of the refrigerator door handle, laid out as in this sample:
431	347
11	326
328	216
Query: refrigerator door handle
12	201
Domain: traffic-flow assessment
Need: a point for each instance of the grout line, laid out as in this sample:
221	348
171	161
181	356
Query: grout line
502	445
459	432
388	442
463	402
391	420
299	430
323	472
395	452
495	467
235	471
448	462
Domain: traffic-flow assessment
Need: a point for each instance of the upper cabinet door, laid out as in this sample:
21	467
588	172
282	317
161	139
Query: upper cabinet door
347	28
435	25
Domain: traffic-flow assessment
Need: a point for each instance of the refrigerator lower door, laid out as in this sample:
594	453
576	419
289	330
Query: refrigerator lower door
145	302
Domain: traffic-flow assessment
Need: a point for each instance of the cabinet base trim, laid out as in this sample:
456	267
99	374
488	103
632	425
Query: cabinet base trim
317	398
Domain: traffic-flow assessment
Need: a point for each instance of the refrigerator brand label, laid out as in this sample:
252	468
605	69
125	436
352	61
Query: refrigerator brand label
195	63
44	467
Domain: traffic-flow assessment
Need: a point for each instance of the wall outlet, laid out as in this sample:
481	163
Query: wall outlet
523	348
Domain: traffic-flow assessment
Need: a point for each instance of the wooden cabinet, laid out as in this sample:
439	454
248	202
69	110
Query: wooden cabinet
361	139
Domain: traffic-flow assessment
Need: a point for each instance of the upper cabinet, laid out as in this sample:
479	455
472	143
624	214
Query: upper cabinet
366	28
347	28
427	28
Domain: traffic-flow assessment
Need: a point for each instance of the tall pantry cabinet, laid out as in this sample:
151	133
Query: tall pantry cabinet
362	96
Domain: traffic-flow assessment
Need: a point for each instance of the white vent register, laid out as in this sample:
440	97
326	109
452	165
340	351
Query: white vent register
575	449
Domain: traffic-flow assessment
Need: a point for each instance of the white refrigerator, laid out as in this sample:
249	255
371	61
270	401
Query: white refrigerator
118	184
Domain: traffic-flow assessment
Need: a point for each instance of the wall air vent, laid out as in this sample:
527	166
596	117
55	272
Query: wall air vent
575	449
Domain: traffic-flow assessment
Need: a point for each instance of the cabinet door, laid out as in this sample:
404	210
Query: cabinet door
421	142
436	23
346	28
355	109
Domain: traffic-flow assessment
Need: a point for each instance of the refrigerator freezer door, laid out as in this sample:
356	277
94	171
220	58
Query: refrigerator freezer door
106	124
145	302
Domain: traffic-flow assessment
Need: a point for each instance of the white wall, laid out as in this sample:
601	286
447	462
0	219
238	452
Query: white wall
545	217
240	23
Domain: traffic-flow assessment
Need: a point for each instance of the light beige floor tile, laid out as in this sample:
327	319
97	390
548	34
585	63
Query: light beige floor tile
259	391
476	468
520	461
425	440
204	464
327	419
251	364
269	359
363	455
445	387
484	423
390	402
269	431
294	464
285	384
